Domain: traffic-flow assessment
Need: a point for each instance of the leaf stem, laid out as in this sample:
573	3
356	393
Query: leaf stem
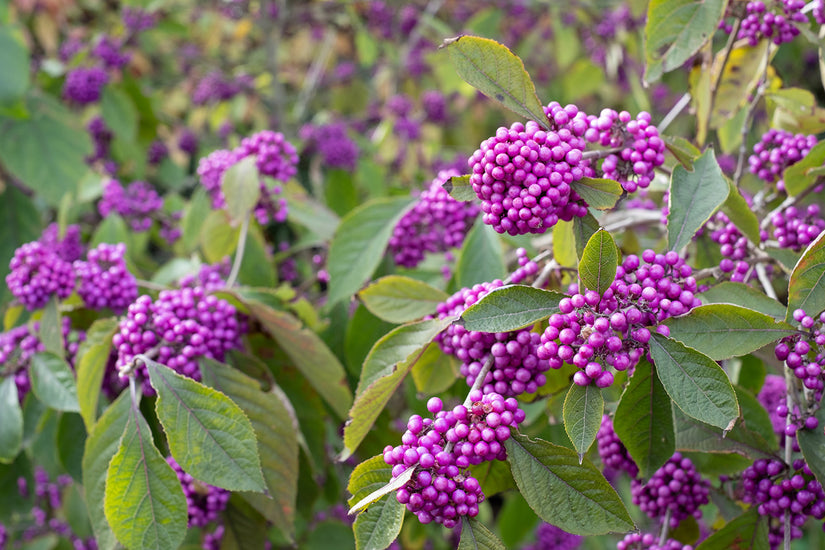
236	265
746	124
150	285
674	112
665	528
600	153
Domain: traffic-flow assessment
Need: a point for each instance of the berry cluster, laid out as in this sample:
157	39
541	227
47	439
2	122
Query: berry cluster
522	175
436	223
676	487
759	22
109	51
796	230
137	20
612	451
156	152
798	358
335	147
550	536
772	396
642	150
105	281
37	273
593	331
215	87
527	267
768	484
137	203
516	368
203	501
188	142
776	151
69	247
180	327
649	541
102	138
210	276
733	245
84	85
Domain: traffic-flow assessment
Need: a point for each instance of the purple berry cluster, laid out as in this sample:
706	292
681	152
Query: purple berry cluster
203	501
797	229
522	175
774	490
772	396
210	276
180	326
760	22
593	332
110	52
84	85
37	273
212	541
676	487
550	536
104	279
526	267
215	87
805	355
649	541
436	223
333	144
612	451
69	247
733	245
776	151
516	368
137	20
156	152
642	148
102	138
137	203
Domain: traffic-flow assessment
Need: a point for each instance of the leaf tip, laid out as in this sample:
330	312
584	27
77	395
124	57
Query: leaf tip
448	41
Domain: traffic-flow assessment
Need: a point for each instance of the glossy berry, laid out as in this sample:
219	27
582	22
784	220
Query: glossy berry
612	451
36	274
676	487
550	536
204	502
137	203
104	281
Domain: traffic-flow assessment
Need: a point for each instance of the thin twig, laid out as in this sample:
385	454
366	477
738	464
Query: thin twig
314	74
728	48
150	285
545	273
762	275
236	265
675	111
743	146
665	528
600	154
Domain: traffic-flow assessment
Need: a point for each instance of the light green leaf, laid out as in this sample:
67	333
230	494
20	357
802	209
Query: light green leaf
744	67
747	532
806	289
382	489
496	72
218	239
379	525
694	197
460	188
742	295
582	413
722	331
475	536
644	420
435	371
601	194
51	328
119	113
19	223
399	299
53	382
241	188
359	244
308	212
194	214
695	382
575	497
11	428
208	434
143	500
91	360
480	258
510	308
600	258
564	244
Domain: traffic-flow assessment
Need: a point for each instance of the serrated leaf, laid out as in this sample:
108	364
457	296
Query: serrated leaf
435	371
598	193
51	328
143	500
399	299
600	258
480	258
693	435
496	72
369	483
747	532
91	360
684	151
741	214
694	197
275	425
697	385
644	420
460	188
744	66
241	188
582	413
359	244
675	30
812	444
583	229
806	289
378	526
575	497
743	295
11	428
385	367
208	434
53	382
119	113
798	177
722	331
510	308
475	536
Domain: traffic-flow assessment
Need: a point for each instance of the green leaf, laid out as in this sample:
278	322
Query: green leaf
119	113
14	58
244	528
241	188
575	497
19	223
693	435
143	500
91	360
51	328
53	382
806	289
382	490
370	475
276	428
218	239
496	72
696	383
510	308
399	299
583	410
71	437
795	109
480	258
460	188
741	214
600	258
359	244
564	244
798	176
306	211
644	420
257	268
812	444
386	366
376	527
694	197
494	476
598	193
744	67
743	295
435	371
475	536
194	214
755	419
583	229
50	132
684	151
722	331
675	30
11	428
208	434
747	532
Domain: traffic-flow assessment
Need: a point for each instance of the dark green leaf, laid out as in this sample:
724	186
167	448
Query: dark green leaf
510	308
601	194
684	151
575	497
644	420
208	434
797	177
19	223
460	188
742	295
694	197
496	72
747	532
806	289
481	258
244	528
583	409
241	188
11	428
399	299
51	328
600	258
14	58
722	331
693	435
71	437
475	536
119	113
695	382
359	244
812	443
53	382
755	419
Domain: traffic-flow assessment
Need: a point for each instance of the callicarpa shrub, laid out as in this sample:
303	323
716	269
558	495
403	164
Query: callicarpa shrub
290	275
